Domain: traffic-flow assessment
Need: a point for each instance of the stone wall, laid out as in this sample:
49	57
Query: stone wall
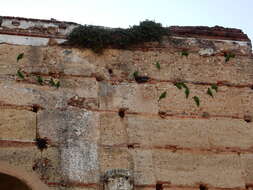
101	119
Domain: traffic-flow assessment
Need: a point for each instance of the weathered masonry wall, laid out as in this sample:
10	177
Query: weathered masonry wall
166	144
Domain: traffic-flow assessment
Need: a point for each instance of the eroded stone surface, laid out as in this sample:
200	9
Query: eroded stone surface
132	97
118	179
17	125
68	126
168	141
187	169
79	162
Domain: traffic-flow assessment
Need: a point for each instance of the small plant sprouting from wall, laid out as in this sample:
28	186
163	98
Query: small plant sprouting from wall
20	56
228	56
214	87
210	90
196	100
20	74
24	76
181	85
54	83
163	95
185	53
158	66
98	38
39	80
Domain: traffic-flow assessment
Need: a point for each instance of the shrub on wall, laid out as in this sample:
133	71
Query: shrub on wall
98	38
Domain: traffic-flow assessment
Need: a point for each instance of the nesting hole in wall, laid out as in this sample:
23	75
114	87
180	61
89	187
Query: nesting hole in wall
141	79
35	108
41	143
130	146
121	112
247	118
110	71
159	186
15	23
203	187
99	78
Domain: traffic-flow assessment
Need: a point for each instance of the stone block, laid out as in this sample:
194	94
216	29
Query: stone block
114	158
247	164
17	125
82	87
144	170
8	58
188	169
133	97
79	162
112	129
46	164
71	125
29	94
228	101
50	97
174	66
190	133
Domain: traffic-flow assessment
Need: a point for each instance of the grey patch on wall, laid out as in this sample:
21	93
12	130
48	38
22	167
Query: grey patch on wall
206	44
118	179
79	161
105	89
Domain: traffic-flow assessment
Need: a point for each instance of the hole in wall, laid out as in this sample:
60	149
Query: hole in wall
203	187
99	78
247	118
249	186
35	108
121	112
8	182
15	23
162	114
110	71
41	143
130	146
159	186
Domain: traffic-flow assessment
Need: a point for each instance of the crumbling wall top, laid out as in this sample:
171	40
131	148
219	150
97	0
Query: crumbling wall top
216	32
39	32
35	27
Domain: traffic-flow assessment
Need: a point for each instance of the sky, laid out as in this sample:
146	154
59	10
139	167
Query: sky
124	13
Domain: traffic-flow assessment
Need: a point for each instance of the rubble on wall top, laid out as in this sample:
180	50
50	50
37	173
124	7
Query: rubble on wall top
35	27
216	32
52	20
29	31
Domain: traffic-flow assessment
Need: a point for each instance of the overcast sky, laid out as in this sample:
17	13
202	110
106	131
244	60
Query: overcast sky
123	13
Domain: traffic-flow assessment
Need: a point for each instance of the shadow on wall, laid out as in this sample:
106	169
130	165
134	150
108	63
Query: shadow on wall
8	182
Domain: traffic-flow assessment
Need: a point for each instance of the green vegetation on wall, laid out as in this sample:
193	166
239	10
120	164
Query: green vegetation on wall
98	38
